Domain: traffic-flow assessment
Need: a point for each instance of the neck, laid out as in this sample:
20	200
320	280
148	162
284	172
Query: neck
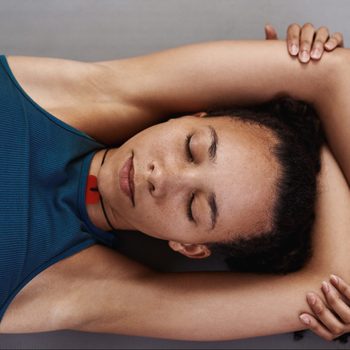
98	212
95	211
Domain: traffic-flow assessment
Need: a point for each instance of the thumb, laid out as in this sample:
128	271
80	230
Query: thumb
270	32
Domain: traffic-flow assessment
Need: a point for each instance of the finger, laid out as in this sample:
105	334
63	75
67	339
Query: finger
324	315
312	324
336	303
334	41
306	40
270	32
293	36
321	37
341	286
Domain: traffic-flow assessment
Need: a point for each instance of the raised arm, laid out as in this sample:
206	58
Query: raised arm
203	76
333	107
120	296
113	100
219	306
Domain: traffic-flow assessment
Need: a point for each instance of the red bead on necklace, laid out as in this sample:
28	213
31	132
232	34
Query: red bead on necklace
92	195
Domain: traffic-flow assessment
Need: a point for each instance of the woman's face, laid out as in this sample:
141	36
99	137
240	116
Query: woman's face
196	180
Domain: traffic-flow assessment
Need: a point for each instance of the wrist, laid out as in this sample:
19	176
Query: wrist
327	76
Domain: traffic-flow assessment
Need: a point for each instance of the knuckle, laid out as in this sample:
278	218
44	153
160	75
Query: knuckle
332	302
319	308
346	290
293	26
308	25
332	299
318	43
333	40
306	43
323	29
338	36
337	331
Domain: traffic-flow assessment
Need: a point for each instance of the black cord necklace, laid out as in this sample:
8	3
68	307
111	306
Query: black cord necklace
95	189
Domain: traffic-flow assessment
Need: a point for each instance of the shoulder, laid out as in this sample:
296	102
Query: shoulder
64	88
51	80
68	293
93	97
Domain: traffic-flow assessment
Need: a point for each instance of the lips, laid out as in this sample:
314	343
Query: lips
126	179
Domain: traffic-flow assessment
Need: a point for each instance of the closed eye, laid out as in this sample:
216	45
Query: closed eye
189	208
188	148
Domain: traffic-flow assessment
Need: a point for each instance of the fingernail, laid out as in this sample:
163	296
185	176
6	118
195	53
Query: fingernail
305	319
335	279
330	46
311	298
294	49
304	56
316	53
325	287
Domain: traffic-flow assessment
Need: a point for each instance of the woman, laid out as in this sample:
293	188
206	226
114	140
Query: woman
137	101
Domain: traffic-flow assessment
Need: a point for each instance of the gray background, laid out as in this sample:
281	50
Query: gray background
106	29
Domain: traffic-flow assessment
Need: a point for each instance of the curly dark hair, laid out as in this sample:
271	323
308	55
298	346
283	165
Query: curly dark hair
287	247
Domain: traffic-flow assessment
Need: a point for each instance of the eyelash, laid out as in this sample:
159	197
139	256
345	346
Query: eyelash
189	208
190	159
188	149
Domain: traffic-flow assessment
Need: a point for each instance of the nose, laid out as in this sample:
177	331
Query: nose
166	181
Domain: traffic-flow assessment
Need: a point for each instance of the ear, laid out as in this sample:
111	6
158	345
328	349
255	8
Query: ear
200	114
193	251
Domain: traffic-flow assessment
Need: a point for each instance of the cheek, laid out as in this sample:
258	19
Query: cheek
151	212
160	219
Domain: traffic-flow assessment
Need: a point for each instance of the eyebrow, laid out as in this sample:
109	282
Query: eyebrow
214	143
212	156
213	209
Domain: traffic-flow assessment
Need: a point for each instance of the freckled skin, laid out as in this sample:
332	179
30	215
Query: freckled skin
243	178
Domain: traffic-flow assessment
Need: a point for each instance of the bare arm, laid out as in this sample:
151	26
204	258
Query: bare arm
333	107
140	302
201	76
219	306
120	296
113	100
205	76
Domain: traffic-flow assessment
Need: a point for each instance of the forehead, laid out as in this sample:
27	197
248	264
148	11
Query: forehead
243	177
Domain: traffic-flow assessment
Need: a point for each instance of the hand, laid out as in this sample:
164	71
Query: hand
332	320
300	40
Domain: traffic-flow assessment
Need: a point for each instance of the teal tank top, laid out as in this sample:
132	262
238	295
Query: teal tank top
44	168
